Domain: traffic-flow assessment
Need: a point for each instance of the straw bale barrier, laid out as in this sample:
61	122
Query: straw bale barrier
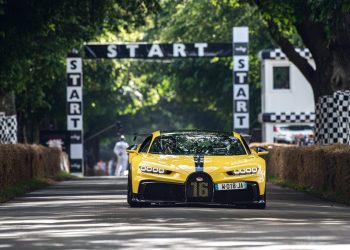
20	162
325	169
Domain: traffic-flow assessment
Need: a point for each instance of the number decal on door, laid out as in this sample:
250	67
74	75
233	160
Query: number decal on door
199	189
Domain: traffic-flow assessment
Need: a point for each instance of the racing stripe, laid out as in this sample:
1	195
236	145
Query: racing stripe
199	162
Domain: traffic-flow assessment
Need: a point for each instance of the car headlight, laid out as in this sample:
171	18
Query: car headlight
153	170
243	171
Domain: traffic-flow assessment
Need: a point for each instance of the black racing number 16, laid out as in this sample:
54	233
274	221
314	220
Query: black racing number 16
199	189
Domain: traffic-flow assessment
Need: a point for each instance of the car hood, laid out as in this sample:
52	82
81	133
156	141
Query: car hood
211	163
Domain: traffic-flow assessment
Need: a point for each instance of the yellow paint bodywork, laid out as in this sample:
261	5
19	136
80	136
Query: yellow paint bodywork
183	165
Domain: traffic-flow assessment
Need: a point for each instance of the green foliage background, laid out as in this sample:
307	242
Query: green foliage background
144	95
181	93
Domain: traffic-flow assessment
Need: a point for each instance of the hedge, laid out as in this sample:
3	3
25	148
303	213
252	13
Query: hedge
21	162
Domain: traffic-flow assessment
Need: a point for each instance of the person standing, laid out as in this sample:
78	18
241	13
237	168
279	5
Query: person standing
122	156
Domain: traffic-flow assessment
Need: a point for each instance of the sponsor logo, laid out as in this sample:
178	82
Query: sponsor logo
75	137
75	165
199	179
241	49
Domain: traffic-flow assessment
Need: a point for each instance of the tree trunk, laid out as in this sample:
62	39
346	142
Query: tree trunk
340	74
7	103
36	136
25	137
332	73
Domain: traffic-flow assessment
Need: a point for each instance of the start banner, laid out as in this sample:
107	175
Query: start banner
158	50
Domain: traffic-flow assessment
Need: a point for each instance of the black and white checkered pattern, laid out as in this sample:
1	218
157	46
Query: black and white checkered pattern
3	128
326	129
279	55
333	119
8	129
342	100
292	117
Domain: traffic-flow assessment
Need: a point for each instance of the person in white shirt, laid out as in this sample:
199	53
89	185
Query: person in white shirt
120	151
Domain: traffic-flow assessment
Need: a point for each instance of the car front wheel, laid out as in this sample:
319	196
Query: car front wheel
130	200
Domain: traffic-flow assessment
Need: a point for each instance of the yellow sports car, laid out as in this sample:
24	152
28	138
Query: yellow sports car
196	166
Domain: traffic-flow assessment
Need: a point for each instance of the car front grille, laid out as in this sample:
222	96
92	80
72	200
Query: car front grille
161	191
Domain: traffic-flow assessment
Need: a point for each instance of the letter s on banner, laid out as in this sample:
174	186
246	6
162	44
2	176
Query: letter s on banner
112	51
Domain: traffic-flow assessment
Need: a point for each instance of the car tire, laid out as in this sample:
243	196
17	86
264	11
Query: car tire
130	200
259	205
263	205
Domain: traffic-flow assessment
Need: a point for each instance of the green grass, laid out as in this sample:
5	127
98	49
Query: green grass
24	187
64	176
21	188
328	195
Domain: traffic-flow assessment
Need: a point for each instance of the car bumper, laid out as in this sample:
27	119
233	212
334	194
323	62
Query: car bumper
284	139
166	192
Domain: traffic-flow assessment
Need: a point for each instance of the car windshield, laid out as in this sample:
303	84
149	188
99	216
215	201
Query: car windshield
296	127
191	144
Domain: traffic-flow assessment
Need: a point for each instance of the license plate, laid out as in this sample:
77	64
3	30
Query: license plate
231	186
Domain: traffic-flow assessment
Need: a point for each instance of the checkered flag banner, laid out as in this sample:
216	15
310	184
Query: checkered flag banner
277	54
292	117
333	118
8	129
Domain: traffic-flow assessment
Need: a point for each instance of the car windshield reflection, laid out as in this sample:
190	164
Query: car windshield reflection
192	144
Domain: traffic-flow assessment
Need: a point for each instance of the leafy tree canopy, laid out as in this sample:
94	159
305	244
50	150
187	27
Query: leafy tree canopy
35	37
145	95
324	28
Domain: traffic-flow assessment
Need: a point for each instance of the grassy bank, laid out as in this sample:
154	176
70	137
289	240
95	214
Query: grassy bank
23	187
327	195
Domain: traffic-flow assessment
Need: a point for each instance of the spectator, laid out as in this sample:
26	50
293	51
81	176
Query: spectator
122	156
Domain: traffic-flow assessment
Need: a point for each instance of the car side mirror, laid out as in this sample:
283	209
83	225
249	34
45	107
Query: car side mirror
261	151
132	149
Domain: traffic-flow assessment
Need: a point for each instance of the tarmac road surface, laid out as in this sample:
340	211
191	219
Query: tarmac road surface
92	213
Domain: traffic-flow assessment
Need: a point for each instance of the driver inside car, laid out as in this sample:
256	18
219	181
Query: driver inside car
171	147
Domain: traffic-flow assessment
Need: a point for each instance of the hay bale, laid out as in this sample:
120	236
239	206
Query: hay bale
13	161
323	168
19	162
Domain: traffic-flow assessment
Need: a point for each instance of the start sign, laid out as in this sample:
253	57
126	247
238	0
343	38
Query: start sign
240	80
158	50
75	112
238	49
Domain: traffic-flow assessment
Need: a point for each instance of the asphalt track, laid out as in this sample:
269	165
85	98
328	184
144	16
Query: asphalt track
92	213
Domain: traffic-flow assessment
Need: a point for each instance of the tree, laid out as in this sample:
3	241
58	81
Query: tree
35	37
203	86
324	28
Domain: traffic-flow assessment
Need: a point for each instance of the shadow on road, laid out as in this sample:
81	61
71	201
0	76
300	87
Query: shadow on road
93	214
